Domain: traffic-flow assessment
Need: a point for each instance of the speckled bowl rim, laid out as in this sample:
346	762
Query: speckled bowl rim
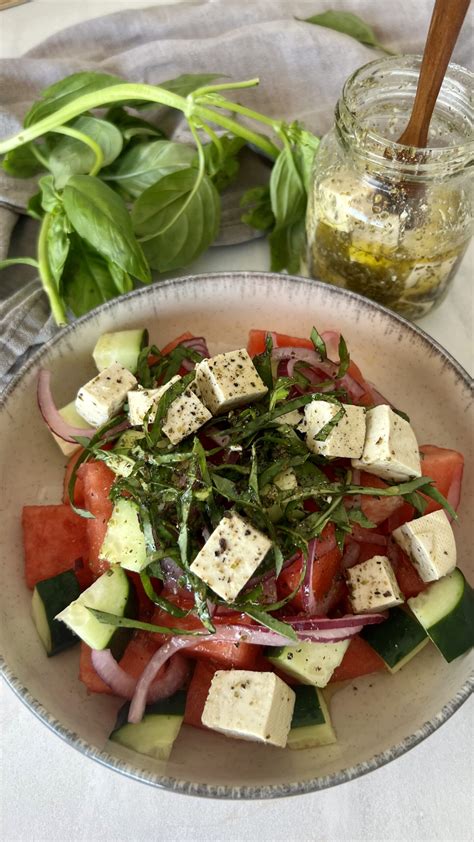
238	792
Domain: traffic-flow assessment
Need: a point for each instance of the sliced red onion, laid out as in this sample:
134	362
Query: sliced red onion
349	621
112	673
144	683
176	674
331	340
124	685
351	555
172	573
356	476
367	536
352	387
51	414
307	592
197	343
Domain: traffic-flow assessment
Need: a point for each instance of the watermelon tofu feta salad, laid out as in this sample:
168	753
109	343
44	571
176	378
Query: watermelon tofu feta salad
239	531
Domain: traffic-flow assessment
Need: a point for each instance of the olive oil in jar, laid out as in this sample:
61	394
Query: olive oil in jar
392	227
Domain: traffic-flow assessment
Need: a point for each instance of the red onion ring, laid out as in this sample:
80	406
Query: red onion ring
307	592
351	555
145	682
124	685
51	414
198	344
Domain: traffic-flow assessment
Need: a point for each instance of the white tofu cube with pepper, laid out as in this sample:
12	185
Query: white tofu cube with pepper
346	438
229	380
390	447
144	402
102	397
184	417
248	705
373	586
430	543
230	556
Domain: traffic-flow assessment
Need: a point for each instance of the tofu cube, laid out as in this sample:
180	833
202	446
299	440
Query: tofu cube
185	415
230	556
228	380
248	705
430	543
143	401
346	438
72	417
102	397
390	447
373	586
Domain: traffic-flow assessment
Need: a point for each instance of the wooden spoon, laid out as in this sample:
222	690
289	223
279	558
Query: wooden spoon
446	22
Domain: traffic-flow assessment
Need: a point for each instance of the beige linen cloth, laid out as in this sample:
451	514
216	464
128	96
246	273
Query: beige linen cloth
301	69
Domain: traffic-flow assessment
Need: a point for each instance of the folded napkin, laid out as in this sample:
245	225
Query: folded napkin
301	69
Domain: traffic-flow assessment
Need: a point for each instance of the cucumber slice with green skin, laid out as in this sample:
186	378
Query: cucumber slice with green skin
112	592
157	731
124	541
446	612
310	663
122	347
311	724
49	597
397	640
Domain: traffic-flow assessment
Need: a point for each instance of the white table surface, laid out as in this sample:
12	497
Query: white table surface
48	791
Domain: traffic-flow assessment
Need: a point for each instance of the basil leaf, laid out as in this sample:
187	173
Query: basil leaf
88	279
348	24
432	491
22	162
189	82
287	194
58	243
258	208
263	363
221	162
175	221
266	619
319	344
71	156
344	358
127	623
287	246
358	516
50	198
66	90
34	207
100	217
163	603
131	127
146	163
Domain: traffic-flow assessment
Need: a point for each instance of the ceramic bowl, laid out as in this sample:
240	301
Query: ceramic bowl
378	717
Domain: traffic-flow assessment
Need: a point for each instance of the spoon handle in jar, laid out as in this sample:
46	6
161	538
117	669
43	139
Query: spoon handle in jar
446	22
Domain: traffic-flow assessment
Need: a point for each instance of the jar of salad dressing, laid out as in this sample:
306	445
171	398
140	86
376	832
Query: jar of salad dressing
389	221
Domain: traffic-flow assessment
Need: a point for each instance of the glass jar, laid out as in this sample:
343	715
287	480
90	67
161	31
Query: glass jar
389	221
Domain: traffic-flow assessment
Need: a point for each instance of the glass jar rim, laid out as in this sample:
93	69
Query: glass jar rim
432	161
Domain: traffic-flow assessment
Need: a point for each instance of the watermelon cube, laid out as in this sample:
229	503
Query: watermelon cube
54	540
